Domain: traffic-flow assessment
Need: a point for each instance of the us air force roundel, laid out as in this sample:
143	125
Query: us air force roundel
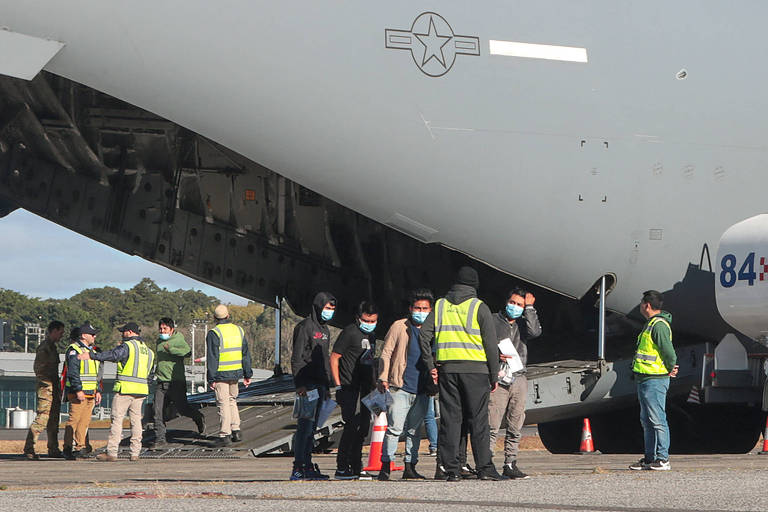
432	43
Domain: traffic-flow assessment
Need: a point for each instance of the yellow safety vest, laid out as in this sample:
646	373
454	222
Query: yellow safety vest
457	331
133	375
230	347
89	371
648	359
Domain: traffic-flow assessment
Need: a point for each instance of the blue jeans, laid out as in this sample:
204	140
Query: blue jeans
405	414
652	394
430	425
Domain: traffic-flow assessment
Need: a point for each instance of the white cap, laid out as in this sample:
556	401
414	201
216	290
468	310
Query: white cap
221	312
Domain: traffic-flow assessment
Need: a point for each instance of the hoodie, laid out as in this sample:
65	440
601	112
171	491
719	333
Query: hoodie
662	337
311	346
456	295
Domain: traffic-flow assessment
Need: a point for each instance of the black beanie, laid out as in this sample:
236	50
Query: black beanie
468	276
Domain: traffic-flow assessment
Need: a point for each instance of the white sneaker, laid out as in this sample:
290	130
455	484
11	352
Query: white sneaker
660	465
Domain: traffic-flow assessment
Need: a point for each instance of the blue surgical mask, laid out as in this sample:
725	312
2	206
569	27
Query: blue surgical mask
327	314
367	327
419	317
165	337
514	311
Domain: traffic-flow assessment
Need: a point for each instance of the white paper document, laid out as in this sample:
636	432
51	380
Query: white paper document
326	409
312	395
514	363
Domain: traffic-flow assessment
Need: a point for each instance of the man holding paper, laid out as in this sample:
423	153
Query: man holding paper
516	324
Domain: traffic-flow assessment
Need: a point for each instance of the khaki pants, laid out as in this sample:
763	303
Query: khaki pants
48	409
78	422
507	405
122	404
229	416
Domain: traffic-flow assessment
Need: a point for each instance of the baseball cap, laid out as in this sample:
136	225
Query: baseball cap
130	326
221	312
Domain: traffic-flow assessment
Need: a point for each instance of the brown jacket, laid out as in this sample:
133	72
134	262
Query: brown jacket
393	359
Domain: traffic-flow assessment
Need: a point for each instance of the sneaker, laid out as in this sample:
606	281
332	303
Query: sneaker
512	471
440	473
32	456
158	444
433	452
221	442
297	473
660	465
313	473
640	465
237	436
345	474
491	474
134	458
105	457
468	472
364	475
55	454
452	477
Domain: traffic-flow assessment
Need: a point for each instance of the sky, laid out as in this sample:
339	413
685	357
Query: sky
42	259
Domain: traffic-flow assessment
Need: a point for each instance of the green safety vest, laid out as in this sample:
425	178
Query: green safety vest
133	375
89	371
647	357
230	347
457	331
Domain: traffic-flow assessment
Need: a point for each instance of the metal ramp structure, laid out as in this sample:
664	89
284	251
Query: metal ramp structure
266	424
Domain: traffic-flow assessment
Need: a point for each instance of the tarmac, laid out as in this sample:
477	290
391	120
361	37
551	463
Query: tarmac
558	483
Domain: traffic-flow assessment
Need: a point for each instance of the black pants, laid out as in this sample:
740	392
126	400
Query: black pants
171	391
464	397
357	421
462	446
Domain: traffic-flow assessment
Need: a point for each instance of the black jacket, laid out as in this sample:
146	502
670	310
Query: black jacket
212	345
525	328
456	295
73	369
311	347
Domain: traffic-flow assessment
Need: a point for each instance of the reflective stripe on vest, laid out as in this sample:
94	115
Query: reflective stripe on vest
132	376
89	370
648	359
457	331
230	347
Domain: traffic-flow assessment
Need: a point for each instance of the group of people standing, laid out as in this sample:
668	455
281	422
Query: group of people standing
450	348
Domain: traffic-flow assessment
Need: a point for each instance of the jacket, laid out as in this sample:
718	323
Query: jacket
73	370
170	358
213	343
662	337
47	362
525	328
394	354
456	295
311	347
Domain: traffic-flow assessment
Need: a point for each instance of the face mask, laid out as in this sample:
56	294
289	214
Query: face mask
165	337
367	327
418	317
327	314
514	311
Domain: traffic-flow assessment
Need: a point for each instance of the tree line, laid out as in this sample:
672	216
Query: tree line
108	307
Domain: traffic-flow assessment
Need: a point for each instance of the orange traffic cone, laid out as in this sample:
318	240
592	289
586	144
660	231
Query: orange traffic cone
377	440
587	446
765	439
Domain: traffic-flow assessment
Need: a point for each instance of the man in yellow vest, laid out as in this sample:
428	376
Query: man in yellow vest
655	362
228	361
466	369
135	362
82	392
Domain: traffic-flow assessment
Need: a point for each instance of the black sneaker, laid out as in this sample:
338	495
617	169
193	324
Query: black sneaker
660	465
433	452
511	470
640	465
452	477
491	474
221	442
31	456
345	474
468	473
55	454
440	473
158	444
237	436
313	473
297	473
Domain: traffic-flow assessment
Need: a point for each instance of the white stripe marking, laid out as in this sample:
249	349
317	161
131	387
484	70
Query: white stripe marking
538	51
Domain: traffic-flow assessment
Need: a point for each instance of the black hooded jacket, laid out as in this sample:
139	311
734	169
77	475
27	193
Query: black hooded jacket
456	295
311	346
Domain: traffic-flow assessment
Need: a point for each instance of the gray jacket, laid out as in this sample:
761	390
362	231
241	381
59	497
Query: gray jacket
525	328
